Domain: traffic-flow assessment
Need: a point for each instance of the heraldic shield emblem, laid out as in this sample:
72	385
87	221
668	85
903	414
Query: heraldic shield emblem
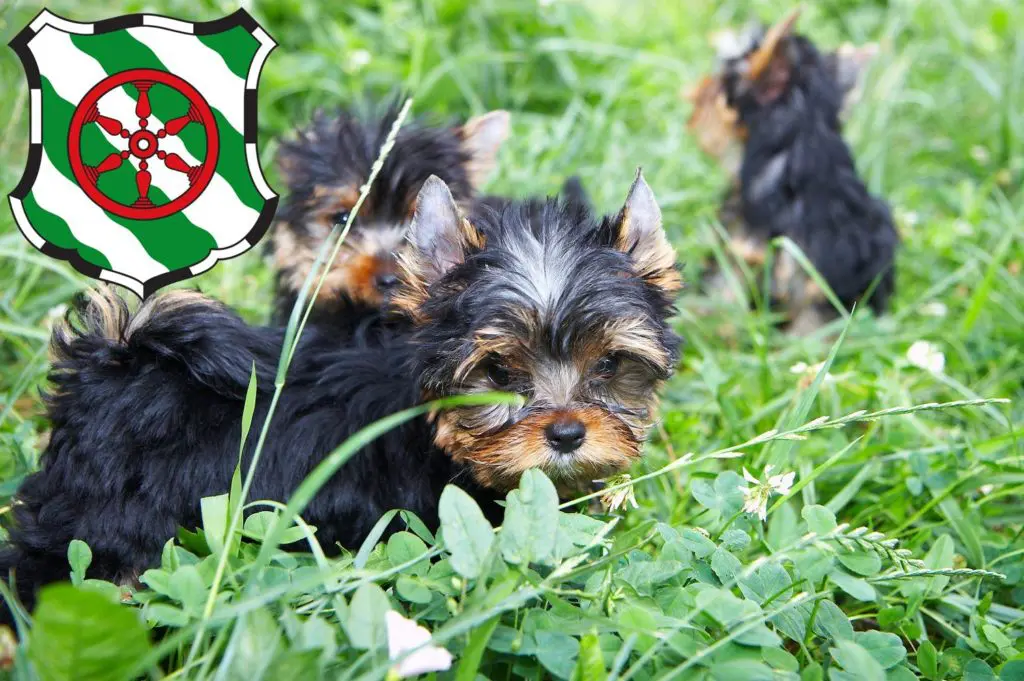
142	166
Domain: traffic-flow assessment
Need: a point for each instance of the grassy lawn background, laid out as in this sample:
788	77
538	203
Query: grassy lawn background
595	89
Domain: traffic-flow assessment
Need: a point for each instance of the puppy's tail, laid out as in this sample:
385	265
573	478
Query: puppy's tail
176	331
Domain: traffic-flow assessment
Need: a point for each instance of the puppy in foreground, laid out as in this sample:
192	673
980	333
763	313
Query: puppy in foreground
537	298
324	168
772	116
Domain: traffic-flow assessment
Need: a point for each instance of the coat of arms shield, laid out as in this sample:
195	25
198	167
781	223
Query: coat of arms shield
142	166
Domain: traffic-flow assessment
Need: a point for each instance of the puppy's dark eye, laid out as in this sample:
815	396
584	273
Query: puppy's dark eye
339	218
498	374
607	366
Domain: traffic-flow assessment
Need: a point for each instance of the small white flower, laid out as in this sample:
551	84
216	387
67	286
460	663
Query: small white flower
925	355
962	227
756	496
405	635
907	217
615	499
980	154
934	309
807	373
357	59
986	489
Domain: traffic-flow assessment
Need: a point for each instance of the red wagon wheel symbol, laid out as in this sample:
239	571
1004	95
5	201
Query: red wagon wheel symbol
143	144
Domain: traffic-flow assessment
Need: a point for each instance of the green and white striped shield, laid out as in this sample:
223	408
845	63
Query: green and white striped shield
142	166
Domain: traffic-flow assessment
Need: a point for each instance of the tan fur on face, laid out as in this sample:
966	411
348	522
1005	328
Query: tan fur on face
365	255
497	461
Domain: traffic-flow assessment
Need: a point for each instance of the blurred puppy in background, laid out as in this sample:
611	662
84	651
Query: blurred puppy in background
771	115
324	168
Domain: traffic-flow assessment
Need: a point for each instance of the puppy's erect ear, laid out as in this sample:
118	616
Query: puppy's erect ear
482	137
439	234
642	235
768	67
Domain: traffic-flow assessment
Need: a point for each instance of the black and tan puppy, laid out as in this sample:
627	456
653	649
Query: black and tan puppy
772	116
537	298
324	168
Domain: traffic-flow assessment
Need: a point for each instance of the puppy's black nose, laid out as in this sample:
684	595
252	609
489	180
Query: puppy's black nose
565	435
386	280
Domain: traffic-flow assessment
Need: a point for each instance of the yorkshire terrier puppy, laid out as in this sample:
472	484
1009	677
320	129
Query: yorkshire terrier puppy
537	298
324	169
772	117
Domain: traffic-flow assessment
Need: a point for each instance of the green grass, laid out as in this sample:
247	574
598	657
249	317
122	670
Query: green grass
595	89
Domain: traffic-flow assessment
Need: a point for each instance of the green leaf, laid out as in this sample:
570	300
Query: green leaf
701	546
1012	670
725	565
927	660
79	634
557	652
831	622
531	518
575	531
939	557
723	495
164	615
768	581
735	540
854	586
864	563
186	586
215	521
759	635
257	640
976	670
742	670
366	627
258	525
857	664
886	649
469	662
79	557
590	664
294	665
995	636
819	519
638	621
317	634
901	673
721	604
644	576
411	590
404	547
781	659
157	580
467	534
